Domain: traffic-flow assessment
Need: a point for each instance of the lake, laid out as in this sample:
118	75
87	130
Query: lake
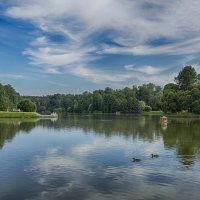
89	157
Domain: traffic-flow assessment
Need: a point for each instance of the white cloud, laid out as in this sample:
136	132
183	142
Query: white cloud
191	46
197	67
52	70
129	67
145	69
99	76
55	56
39	41
142	75
131	24
140	19
11	76
150	70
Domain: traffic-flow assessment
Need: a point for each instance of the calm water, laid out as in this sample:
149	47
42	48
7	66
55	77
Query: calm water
90	158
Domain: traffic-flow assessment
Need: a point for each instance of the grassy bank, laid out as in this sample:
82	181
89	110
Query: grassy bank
152	113
182	115
19	115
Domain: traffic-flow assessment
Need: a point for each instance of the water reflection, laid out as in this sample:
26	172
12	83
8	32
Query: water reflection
9	128
90	157
181	134
130	126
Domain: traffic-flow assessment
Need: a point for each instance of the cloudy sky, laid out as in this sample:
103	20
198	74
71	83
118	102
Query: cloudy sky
69	46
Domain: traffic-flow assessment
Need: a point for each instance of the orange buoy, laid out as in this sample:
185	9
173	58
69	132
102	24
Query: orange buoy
163	119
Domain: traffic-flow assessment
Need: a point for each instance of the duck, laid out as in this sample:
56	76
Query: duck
154	155
136	160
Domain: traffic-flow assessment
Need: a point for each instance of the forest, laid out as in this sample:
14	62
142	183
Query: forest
127	100
181	96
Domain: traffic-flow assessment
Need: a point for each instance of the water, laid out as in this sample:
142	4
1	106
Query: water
90	158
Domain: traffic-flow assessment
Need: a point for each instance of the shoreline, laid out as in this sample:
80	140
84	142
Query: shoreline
25	115
183	116
54	116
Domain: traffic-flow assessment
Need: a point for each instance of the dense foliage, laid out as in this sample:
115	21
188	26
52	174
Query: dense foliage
183	96
9	98
27	106
127	100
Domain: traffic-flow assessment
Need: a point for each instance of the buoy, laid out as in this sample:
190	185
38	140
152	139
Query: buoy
163	119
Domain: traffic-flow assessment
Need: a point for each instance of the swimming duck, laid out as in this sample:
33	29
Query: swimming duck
136	160
154	155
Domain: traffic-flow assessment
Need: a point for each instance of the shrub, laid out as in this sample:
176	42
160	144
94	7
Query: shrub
26	106
147	108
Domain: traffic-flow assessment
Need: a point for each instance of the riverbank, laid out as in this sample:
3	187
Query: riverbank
24	115
157	113
172	115
19	115
37	115
182	115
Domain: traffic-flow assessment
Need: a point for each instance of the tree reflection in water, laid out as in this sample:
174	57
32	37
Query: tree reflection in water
181	135
10	127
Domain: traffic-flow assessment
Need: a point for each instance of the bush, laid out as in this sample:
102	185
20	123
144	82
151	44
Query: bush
147	108
142	105
196	107
26	106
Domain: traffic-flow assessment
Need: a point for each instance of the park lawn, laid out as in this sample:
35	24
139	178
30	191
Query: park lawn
152	113
19	115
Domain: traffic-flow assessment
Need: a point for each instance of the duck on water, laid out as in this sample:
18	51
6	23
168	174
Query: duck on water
136	160
154	155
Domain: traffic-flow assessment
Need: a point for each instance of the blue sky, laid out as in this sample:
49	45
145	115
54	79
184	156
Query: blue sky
69	46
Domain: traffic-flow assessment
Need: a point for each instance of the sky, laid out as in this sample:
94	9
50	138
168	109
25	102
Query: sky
70	46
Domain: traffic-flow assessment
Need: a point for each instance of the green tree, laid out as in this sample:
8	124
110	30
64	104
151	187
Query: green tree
147	108
27	106
196	106
186	78
133	105
97	101
198	79
171	86
150	94
142	105
170	101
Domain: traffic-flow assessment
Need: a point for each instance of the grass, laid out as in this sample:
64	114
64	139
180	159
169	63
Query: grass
153	113
183	115
19	115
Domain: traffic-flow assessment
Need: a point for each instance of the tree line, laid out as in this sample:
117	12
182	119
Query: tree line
128	100
183	95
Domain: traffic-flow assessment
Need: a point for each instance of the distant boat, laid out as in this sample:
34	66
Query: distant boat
52	115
